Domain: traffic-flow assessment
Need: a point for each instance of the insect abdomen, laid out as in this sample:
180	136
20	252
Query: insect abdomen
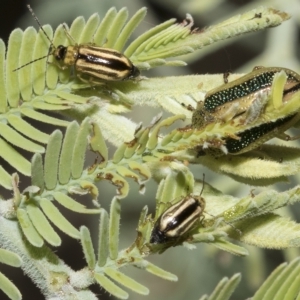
177	220
104	64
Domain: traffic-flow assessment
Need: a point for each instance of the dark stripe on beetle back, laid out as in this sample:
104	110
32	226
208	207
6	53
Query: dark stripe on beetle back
86	68
249	136
104	50
240	90
109	59
184	214
114	64
293	89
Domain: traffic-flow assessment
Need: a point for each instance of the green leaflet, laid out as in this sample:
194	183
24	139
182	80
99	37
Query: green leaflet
14	158
71	204
80	145
12	86
10	258
88	248
3	97
110	287
116	26
18	140
88	32
27	129
270	231
126	281
114	226
225	288
52	159
28	228
98	144
103	243
37	171
65	160
58	219
25	82
101	33
39	67
283	283
9	288
128	29
5	179
155	270
42	225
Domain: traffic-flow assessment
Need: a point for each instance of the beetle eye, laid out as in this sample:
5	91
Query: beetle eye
61	52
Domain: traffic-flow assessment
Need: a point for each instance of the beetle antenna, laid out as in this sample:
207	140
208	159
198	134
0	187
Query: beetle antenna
30	62
40	25
52	46
202	185
227	223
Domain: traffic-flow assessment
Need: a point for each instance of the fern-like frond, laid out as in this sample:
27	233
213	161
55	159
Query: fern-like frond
105	266
180	38
59	175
